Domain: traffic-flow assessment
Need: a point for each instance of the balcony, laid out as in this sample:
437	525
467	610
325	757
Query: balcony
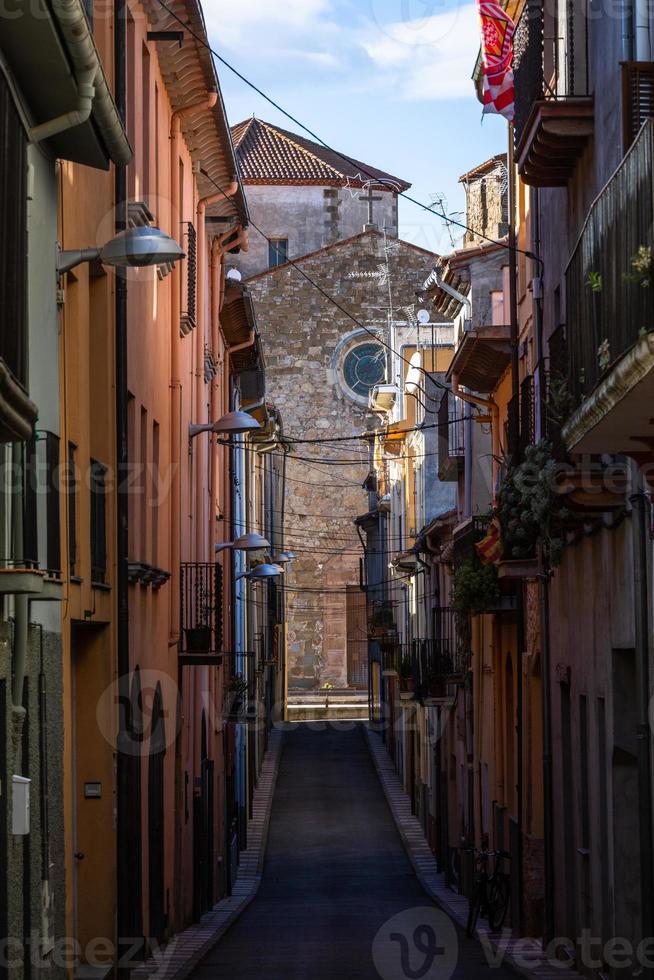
553	108
610	313
451	446
482	357
201	620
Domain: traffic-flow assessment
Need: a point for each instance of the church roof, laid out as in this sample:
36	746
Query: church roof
267	154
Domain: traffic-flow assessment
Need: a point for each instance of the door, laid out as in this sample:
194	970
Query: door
92	804
357	638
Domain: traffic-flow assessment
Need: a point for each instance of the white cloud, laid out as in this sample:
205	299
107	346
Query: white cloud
428	59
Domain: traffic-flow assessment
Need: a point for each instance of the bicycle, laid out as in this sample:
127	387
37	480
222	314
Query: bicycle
490	892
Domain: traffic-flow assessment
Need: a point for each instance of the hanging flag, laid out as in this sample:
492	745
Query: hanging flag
497	30
490	547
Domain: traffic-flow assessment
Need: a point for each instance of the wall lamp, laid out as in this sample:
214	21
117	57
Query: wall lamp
262	572
136	247
247	542
284	558
232	424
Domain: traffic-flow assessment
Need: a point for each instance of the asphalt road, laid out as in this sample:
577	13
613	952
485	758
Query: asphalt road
335	875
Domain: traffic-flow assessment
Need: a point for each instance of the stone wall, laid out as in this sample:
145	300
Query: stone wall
300	332
310	218
23	873
486	205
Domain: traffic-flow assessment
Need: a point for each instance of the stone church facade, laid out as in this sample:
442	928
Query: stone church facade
321	365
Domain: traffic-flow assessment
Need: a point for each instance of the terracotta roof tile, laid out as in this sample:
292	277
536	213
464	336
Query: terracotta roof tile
268	154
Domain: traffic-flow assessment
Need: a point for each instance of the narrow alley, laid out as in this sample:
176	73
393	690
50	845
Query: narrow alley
335	874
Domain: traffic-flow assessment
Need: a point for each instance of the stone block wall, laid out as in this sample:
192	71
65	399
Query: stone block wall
301	331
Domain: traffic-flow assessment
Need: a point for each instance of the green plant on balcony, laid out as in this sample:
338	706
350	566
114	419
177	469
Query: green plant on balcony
405	672
641	264
530	508
475	589
594	282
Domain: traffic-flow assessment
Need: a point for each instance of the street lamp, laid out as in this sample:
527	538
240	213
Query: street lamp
247	542
262	572
232	424
284	558
135	247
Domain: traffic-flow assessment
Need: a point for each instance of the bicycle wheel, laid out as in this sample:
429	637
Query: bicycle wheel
473	911
498	902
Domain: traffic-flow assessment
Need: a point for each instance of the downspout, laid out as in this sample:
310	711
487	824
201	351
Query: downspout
129	884
176	436
235	348
641	536
627	29
201	334
77	116
21	616
93	91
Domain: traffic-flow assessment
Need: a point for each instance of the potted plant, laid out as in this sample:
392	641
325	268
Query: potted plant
406	673
475	588
198	638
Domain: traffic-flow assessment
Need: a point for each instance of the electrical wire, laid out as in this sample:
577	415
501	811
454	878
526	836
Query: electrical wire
449	220
359	323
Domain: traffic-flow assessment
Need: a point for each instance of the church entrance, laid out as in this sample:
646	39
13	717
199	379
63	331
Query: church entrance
357	638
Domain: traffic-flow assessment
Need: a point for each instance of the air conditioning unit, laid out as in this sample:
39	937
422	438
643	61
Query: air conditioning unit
382	398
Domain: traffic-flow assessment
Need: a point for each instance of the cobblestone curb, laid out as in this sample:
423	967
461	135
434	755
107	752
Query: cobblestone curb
185	950
523	955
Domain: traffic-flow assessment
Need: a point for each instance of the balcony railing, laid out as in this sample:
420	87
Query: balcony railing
527	413
201	607
450	437
607	307
553	108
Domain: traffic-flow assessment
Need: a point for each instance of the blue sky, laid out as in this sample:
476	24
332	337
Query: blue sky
385	81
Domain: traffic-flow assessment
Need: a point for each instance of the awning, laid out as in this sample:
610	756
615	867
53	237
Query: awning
481	358
237	318
52	56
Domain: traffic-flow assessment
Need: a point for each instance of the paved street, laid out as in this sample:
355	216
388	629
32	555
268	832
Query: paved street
335	872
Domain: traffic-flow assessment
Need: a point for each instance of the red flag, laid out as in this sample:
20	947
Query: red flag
490	547
497	30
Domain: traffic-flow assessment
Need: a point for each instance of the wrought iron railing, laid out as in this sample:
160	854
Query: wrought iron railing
527	413
426	665
607	306
550	59
201	608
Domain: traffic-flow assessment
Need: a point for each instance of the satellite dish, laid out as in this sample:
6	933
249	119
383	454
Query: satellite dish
414	374
423	316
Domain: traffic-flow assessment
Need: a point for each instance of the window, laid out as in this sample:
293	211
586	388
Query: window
363	367
98	523
13	236
277	252
71	488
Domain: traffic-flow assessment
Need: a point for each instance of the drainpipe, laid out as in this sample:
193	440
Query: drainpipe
92	90
129	896
176	435
641	537
235	348
643	39
20	601
627	29
77	116
200	336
